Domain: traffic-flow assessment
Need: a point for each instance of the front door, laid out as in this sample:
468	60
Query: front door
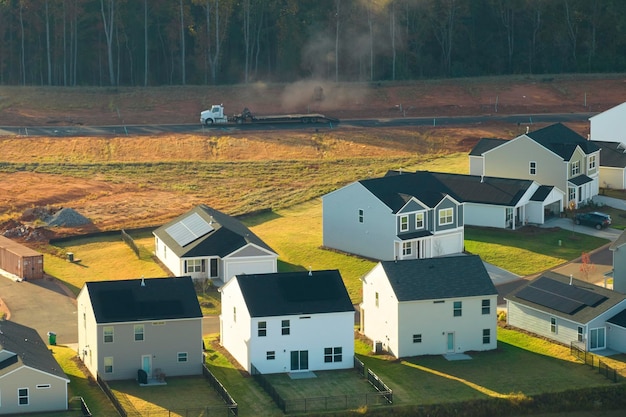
450	342
299	360
146	364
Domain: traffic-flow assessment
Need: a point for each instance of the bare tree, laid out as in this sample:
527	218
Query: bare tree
572	29
145	43
182	42
214	25
443	19
392	29
536	10
108	21
337	20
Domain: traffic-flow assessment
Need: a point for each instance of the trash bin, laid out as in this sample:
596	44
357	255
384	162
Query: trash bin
142	376
70	257
52	338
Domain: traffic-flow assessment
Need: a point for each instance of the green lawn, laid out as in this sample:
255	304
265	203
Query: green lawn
182	396
526	252
99	258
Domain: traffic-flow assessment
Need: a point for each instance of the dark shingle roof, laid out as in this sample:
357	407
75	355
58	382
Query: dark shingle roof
289	293
612	154
619	319
129	300
582	315
562	140
580	180
542	192
395	189
486	144
228	235
439	278
29	349
485	190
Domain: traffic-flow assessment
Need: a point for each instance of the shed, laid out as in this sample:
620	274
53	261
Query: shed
19	260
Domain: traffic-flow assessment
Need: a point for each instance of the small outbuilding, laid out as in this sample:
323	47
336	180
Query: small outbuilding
19	260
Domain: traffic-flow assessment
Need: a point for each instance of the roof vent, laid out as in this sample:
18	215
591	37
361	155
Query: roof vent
310	271
527	129
482	179
143	283
571	278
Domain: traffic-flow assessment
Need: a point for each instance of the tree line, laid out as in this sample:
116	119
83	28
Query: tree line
177	42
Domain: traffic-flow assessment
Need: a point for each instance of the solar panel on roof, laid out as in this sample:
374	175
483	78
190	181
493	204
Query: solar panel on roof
560	296
550	300
582	295
189	229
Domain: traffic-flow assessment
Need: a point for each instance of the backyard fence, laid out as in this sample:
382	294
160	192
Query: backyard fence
82	405
382	388
107	391
382	396
231	405
208	411
130	242
595	362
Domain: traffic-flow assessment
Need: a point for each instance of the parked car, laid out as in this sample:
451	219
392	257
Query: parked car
593	219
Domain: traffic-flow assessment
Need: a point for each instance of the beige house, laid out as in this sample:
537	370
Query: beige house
31	380
153	325
554	156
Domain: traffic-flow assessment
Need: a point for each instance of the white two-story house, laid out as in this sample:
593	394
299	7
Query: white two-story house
432	306
288	322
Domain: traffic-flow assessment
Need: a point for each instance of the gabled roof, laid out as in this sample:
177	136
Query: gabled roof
619	242
612	154
290	293
439	278
143	299
616	109
22	346
223	235
542	193
485	190
395	189
486	144
562	140
550	293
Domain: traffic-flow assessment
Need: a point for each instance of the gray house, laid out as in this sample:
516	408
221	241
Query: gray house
31	380
414	215
568	310
154	325
408	216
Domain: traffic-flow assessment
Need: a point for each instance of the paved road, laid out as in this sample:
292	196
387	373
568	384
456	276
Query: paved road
138	130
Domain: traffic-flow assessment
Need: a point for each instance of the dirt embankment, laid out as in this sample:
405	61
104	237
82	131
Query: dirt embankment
111	204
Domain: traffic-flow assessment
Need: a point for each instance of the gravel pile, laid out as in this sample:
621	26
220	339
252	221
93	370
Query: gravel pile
67	217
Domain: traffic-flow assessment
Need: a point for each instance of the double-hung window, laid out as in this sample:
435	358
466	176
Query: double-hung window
532	168
139	332
108	334
419	220
285	327
404	223
486	306
445	216
575	168
262	329
458	308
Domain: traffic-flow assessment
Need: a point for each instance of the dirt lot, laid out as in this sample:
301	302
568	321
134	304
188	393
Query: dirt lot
110	203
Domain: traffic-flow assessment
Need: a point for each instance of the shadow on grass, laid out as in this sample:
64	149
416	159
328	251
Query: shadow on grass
257	218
